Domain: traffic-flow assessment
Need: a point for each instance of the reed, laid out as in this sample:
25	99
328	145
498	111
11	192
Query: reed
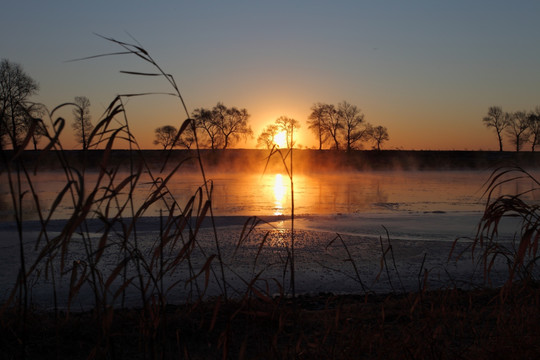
105	206
349	259
284	156
520	254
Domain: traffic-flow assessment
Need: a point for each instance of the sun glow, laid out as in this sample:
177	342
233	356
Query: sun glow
280	139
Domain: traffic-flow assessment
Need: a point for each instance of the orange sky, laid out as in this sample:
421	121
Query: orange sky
428	71
430	130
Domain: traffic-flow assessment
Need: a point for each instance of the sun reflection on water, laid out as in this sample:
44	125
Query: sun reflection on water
280	192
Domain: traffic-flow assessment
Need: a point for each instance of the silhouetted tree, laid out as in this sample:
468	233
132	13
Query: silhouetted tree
355	129
518	128
344	124
498	120
379	134
266	138
205	121
82	123
316	121
534	127
288	125
223	126
165	136
233	124
332	124
15	111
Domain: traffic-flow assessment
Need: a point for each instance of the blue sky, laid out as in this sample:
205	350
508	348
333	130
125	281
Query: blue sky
427	70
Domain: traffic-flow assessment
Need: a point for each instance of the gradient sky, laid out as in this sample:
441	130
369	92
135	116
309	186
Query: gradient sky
427	70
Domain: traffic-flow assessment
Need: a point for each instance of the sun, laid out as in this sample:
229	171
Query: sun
280	139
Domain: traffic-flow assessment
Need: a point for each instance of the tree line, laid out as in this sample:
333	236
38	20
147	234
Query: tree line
521	127
341	127
217	128
220	127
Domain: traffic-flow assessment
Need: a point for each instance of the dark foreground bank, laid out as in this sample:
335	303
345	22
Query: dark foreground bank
445	324
304	160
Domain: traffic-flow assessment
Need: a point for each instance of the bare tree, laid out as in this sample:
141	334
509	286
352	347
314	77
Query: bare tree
355	129
205	121
82	123
379	134
266	138
223	126
344	124
15	113
232	123
332	124
288	125
498	120
534	127
316	122
517	128
165	136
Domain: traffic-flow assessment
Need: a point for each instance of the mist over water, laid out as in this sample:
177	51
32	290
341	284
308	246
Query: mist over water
268	194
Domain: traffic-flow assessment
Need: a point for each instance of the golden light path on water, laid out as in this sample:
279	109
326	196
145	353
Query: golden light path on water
280	192
258	194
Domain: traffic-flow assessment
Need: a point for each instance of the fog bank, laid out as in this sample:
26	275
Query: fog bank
305	161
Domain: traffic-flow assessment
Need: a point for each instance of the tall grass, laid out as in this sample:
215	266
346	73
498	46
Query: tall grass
284	155
520	254
104	220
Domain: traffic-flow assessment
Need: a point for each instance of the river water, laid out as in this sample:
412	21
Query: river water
270	194
419	214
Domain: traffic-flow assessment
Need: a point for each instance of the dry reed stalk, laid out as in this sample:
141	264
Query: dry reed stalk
521	256
289	169
349	259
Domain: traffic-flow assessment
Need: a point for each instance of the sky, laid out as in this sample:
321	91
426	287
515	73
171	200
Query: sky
426	70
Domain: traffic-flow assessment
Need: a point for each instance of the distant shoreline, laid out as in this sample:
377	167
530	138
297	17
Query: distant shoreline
305	160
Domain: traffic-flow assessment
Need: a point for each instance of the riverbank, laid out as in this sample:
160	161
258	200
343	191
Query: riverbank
305	160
